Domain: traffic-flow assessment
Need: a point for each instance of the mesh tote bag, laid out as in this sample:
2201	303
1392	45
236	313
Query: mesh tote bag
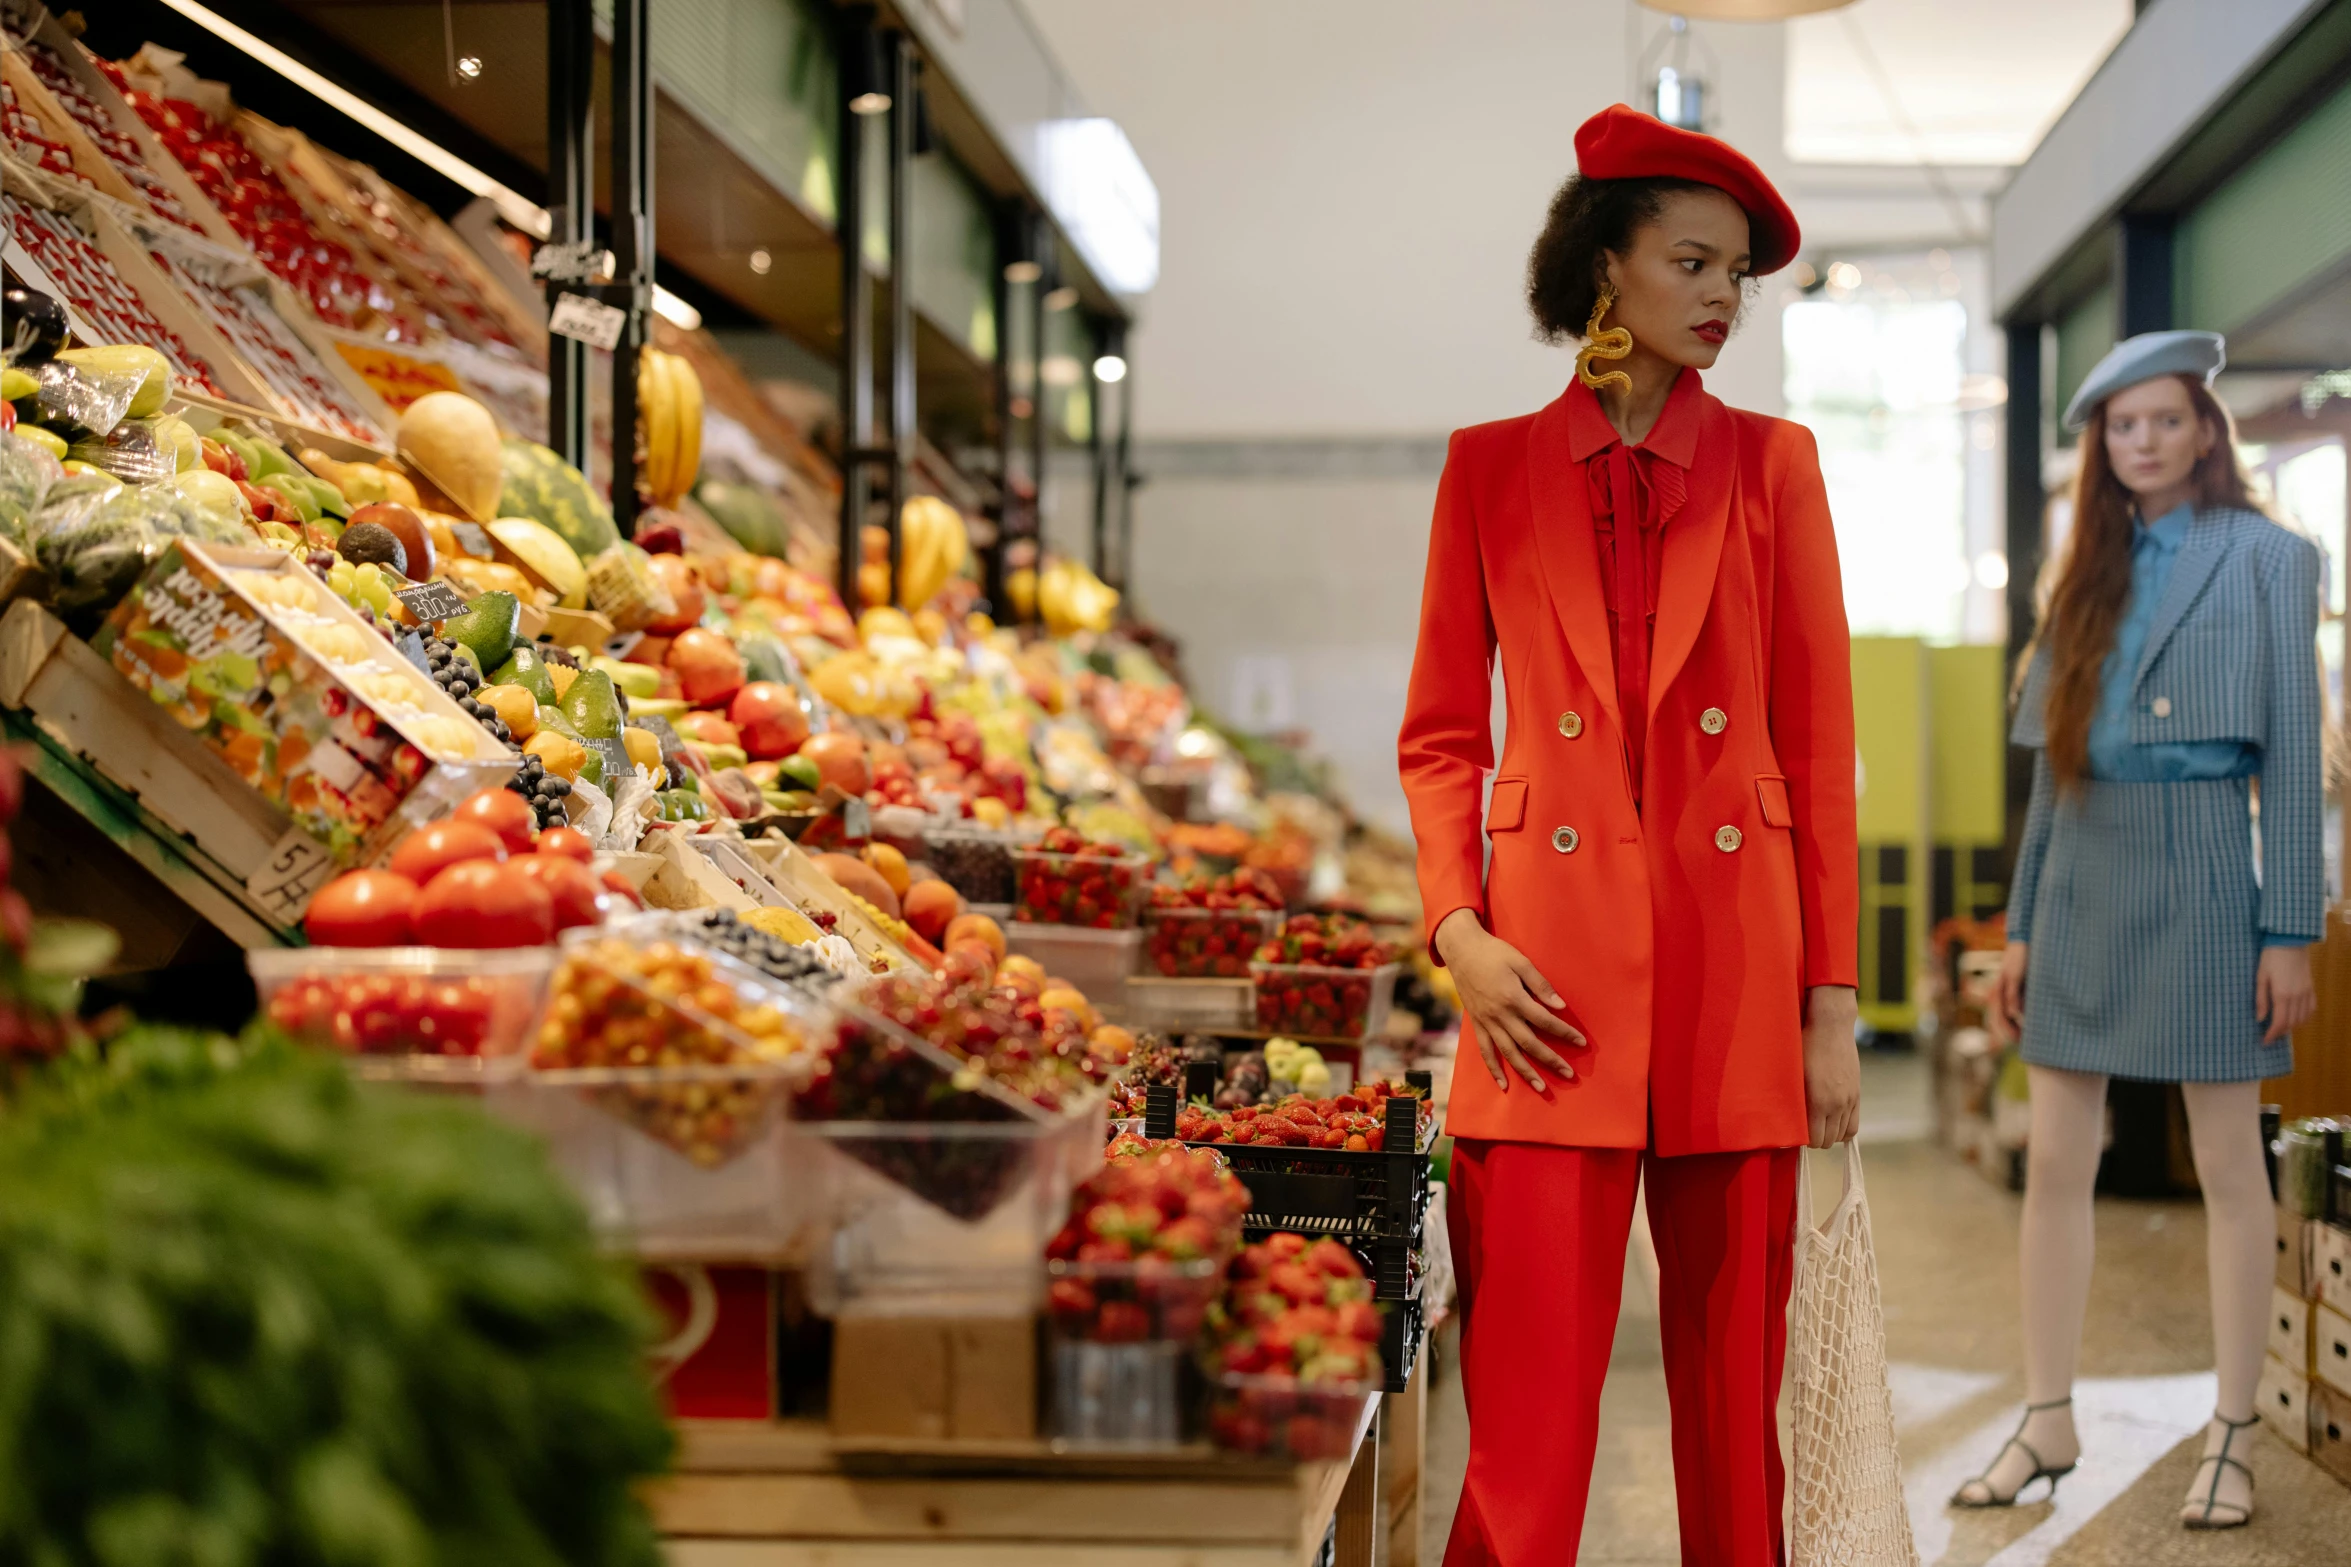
1848	1508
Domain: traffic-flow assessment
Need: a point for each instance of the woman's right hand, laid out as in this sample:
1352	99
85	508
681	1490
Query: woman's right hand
1507	999
2008	993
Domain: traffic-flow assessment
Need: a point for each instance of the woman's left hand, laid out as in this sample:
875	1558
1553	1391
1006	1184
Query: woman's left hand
1832	1064
2283	996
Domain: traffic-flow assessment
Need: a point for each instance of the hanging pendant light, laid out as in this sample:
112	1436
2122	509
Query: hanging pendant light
1744	10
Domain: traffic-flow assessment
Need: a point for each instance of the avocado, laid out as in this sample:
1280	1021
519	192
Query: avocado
801	772
592	705
489	626
529	671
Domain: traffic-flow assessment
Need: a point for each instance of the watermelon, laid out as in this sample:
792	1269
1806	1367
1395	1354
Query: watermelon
543	487
749	514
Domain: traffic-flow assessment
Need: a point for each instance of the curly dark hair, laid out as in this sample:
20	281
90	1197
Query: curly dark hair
1588	218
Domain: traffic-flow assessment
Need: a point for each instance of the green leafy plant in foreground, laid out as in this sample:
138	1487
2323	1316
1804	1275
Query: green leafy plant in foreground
254	1313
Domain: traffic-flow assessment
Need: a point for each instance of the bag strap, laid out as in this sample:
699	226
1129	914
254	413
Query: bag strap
1849	1199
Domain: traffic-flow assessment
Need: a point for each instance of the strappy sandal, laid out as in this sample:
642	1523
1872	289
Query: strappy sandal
2212	1512
2041	1471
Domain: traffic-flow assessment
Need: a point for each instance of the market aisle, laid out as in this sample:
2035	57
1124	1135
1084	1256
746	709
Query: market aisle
1947	1250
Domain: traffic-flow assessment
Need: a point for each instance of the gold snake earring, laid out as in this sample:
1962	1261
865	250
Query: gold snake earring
1615	343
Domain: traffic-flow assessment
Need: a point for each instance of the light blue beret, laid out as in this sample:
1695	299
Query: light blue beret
2143	358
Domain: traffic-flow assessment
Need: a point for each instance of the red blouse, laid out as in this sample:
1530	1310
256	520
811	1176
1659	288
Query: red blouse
1634	488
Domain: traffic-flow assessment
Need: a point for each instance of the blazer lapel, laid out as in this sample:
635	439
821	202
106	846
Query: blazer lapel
2200	554
1570	552
1693	551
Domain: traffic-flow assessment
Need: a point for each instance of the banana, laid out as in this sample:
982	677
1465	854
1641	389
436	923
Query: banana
655	411
689	462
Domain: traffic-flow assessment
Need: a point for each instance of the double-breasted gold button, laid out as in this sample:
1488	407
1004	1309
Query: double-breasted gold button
1571	724
1714	720
1728	839
1564	839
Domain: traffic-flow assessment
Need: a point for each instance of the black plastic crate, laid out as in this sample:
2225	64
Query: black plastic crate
1400	1340
1354	1197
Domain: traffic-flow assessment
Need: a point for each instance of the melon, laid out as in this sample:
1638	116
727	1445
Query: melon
544	553
543	487
455	441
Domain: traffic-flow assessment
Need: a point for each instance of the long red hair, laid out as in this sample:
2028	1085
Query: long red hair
2094	584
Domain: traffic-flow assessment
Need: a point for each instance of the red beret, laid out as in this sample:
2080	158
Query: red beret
1623	144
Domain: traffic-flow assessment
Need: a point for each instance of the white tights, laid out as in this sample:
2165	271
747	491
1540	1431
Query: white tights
2224	1122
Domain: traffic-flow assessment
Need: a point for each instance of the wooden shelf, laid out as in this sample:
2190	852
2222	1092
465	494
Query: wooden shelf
787	1493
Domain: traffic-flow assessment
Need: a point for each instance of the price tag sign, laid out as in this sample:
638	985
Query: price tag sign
297	866
472	539
616	762
587	320
432	601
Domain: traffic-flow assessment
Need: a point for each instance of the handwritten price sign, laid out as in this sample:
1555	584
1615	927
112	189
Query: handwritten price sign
297	866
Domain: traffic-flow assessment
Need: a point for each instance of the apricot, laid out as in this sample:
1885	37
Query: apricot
890	865
931	907
977	927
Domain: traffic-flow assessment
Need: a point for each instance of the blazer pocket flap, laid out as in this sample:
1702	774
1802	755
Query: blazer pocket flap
1773	792
1507	810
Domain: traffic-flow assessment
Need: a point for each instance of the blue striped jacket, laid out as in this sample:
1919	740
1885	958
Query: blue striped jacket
2232	656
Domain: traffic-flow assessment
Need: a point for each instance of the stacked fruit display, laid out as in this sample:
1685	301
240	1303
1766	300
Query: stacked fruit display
1069	880
1146	1241
1315	980
112	141
1294	1349
1209	928
97	293
267	216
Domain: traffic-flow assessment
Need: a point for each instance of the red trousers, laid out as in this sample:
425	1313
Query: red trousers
1538	1247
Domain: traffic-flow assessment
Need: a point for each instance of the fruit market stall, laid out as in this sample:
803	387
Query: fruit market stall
999	1073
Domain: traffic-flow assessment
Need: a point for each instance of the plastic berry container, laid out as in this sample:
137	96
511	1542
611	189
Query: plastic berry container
421	1012
1278	1417
1313	1004
1097	891
1193	943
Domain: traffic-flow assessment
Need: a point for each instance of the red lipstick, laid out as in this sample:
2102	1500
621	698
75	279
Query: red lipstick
1713	331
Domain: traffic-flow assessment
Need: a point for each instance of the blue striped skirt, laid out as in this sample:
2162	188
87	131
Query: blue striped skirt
2147	937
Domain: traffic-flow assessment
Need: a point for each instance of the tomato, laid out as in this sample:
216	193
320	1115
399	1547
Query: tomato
572	887
429	850
569	842
504	812
362	909
479	903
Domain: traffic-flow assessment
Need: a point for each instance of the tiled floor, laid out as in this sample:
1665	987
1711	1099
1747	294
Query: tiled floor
1946	1243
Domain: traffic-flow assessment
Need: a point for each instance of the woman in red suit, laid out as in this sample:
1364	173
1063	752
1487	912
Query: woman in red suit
1657	966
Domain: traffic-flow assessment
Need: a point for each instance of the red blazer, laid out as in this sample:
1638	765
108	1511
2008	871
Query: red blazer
1682	935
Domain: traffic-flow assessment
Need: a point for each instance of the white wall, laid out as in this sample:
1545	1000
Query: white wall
1348	190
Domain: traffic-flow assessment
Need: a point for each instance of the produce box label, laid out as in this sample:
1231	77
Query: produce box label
200	649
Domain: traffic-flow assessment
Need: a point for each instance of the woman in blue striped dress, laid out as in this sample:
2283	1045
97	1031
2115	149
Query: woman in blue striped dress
2156	932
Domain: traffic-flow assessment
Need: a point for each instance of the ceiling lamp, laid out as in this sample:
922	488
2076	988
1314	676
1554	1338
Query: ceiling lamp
1744	10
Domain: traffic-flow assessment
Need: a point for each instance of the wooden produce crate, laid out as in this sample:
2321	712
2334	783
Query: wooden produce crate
175	264
173	804
155	158
788	1493
2321	1083
57	123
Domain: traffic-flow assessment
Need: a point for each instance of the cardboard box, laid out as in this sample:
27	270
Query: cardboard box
2330	1430
2331	1264
2289	1330
2283	1402
935	1379
719	1361
2330	1348
261	690
2297	1253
